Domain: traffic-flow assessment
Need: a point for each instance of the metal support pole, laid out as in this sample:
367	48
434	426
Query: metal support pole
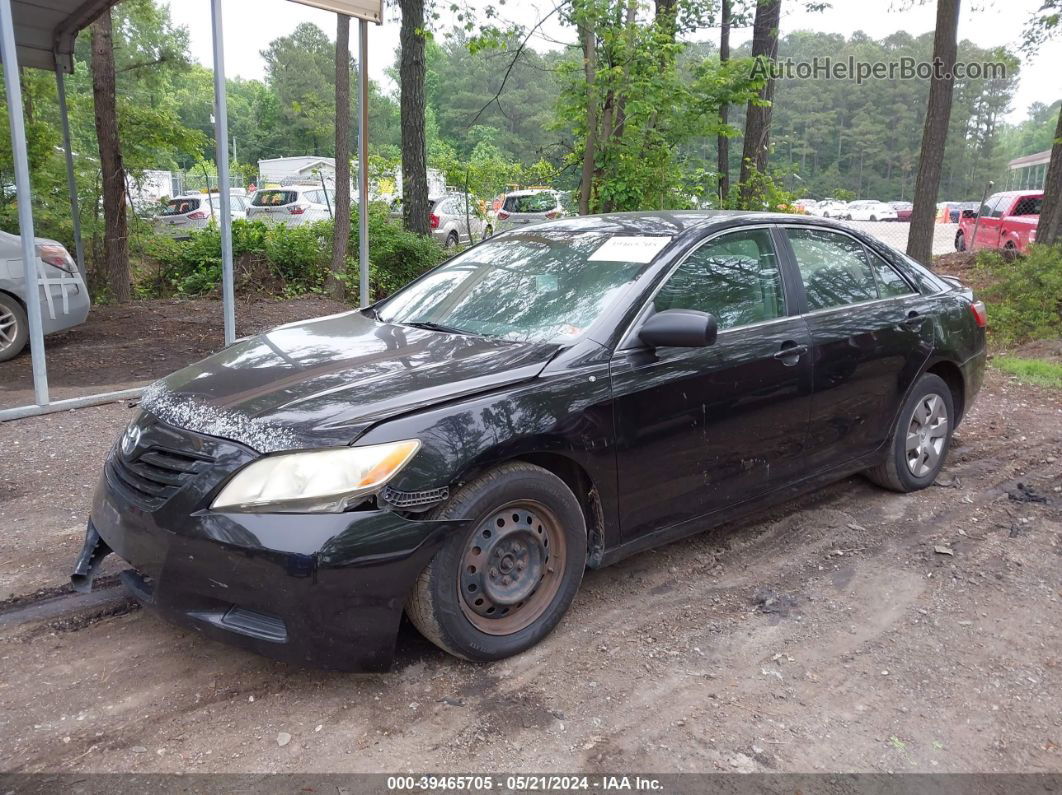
71	181
24	197
221	136
363	161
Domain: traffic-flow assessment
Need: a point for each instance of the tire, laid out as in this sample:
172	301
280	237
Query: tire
479	613
488	232
451	241
14	327
960	242
873	218
931	399
1010	252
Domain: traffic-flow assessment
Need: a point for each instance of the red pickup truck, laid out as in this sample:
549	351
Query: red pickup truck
1006	221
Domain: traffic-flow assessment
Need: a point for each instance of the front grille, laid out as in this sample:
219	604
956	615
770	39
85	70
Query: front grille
152	474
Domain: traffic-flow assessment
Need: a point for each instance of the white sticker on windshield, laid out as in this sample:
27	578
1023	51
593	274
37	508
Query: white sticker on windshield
634	248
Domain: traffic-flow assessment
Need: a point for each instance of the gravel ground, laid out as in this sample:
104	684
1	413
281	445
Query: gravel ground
851	630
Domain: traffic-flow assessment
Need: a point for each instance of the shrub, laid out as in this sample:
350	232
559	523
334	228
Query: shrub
1023	296
297	257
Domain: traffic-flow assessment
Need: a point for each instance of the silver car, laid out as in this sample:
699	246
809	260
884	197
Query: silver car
184	214
291	205
529	207
455	218
64	297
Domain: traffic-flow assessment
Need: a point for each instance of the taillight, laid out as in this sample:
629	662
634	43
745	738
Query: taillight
198	215
980	313
502	215
434	221
297	209
553	214
57	257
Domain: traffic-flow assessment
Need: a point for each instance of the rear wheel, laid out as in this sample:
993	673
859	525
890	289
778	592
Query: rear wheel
488	232
501	585
960	242
919	443
873	218
1010	252
451	240
14	328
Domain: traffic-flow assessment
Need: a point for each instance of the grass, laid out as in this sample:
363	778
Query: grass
1032	371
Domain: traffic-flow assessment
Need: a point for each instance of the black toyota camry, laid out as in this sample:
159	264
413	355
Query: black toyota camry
555	398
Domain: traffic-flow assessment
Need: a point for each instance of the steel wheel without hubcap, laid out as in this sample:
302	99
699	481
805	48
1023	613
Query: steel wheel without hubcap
8	328
512	568
926	435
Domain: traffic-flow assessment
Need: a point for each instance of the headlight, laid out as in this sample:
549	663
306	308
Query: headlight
314	481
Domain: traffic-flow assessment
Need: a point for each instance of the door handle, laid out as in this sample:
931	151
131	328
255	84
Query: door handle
791	351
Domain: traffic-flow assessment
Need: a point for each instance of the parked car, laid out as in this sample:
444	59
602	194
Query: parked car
956	209
64	298
291	205
870	210
530	207
184	214
805	206
903	210
554	398
455	219
831	208
1006	221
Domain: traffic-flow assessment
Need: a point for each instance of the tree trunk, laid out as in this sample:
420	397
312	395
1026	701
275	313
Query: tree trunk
116	223
589	41
758	119
935	133
341	235
411	72
1049	230
723	160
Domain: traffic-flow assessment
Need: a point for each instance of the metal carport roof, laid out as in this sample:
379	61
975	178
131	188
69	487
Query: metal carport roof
45	30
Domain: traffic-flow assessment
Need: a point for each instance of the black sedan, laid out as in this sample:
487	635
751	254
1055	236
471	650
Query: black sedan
554	398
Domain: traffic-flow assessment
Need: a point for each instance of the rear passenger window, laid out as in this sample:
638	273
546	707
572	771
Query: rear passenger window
834	268
735	277
890	283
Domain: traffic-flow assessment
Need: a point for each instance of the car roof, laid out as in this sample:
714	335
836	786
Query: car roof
677	222
530	191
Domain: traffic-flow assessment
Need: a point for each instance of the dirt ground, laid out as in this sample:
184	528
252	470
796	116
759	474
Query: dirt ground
133	344
851	630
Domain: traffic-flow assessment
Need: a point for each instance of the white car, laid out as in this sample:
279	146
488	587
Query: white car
830	208
64	297
869	210
291	205
184	214
532	206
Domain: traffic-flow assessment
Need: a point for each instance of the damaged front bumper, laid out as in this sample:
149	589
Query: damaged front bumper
325	590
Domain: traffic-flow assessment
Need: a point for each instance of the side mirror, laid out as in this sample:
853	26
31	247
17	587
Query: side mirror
969	214
679	328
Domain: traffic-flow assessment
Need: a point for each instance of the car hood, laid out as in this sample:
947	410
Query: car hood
325	381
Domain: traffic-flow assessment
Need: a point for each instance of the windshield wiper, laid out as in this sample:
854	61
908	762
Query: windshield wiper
433	326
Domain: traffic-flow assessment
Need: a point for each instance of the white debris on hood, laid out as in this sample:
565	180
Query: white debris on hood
189	413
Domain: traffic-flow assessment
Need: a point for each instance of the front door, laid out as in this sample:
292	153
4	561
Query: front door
701	428
871	332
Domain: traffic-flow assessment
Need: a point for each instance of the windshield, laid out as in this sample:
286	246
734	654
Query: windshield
535	203
547	286
180	206
274	198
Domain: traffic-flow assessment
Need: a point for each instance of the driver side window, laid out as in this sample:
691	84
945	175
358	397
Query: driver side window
734	277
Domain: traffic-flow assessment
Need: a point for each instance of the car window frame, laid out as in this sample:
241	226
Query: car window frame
867	250
628	340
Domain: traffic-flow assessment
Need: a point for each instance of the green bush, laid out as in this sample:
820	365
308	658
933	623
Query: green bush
1023	296
296	257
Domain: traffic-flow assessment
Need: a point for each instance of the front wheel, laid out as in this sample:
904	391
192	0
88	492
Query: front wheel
920	440
501	585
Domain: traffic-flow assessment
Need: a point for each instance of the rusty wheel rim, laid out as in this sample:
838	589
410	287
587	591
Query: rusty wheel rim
512	568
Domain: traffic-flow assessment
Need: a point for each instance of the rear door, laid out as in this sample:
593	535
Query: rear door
871	334
271	205
699	429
